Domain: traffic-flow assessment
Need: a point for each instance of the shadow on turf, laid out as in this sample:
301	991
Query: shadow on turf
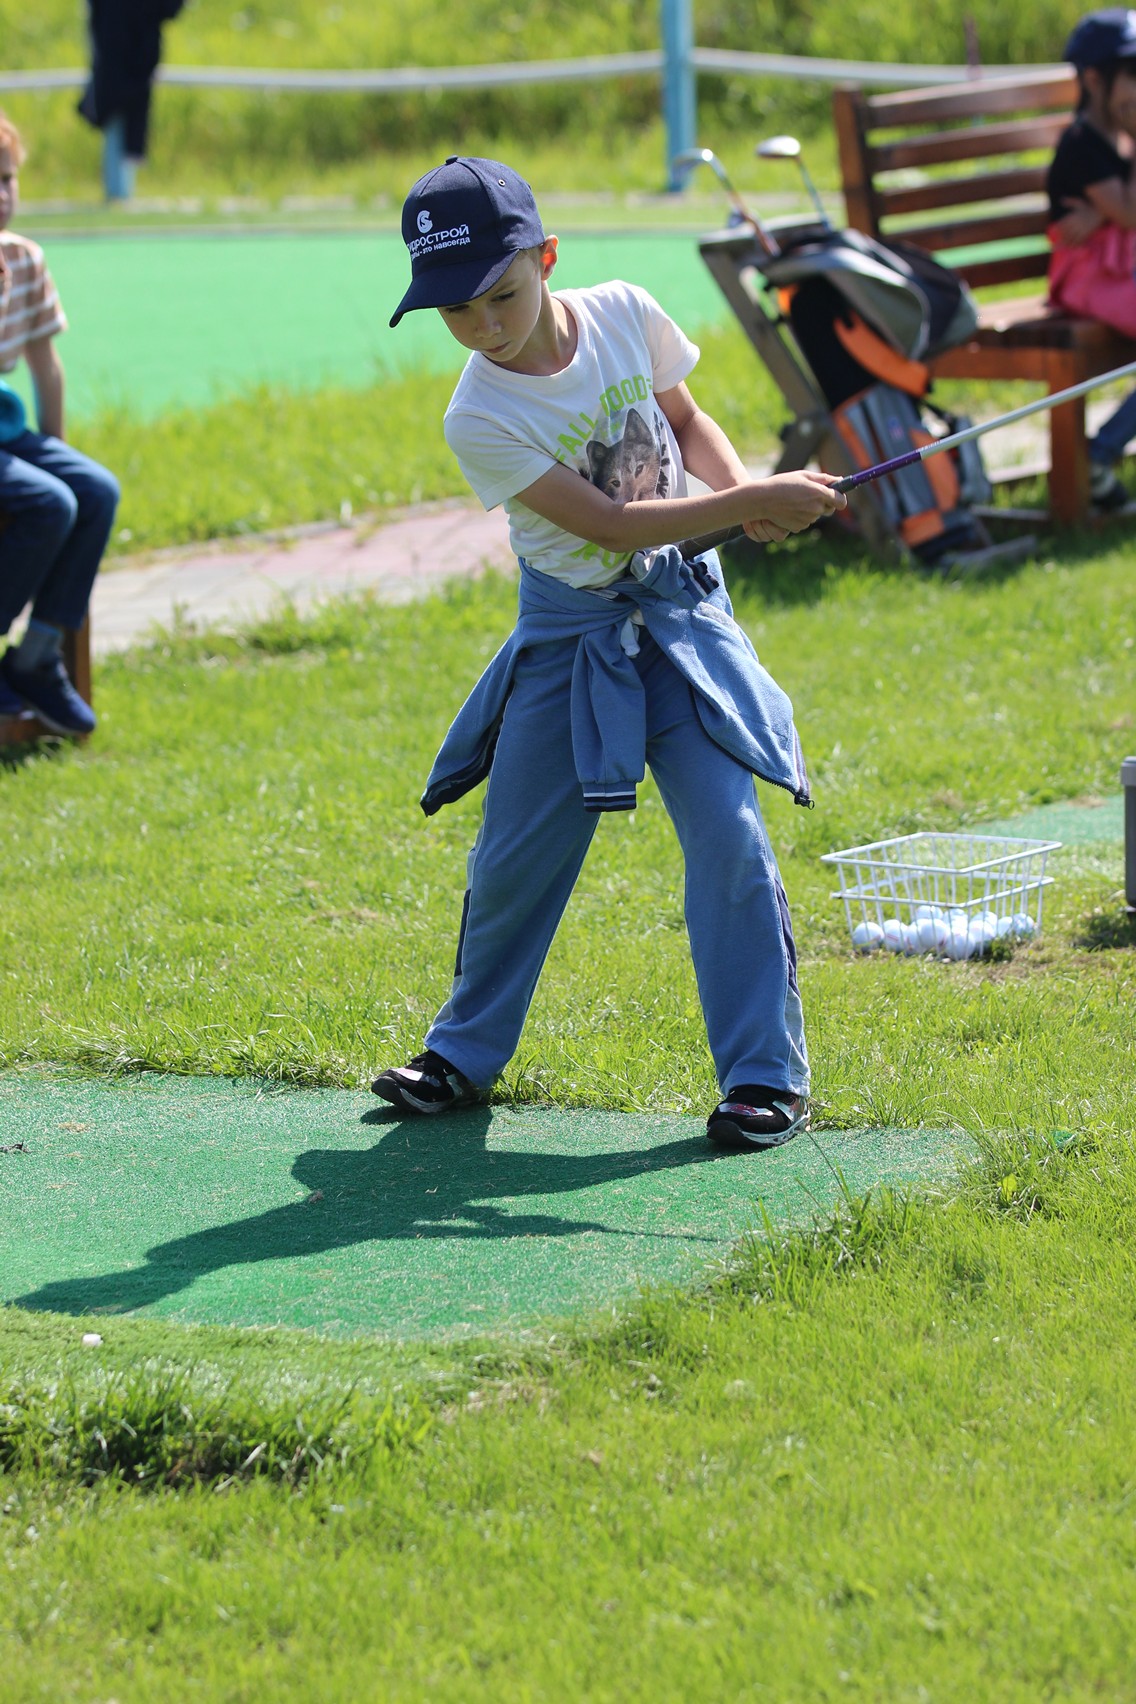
1104	931
420	1180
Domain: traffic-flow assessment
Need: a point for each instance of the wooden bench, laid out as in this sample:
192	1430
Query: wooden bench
14	730
960	171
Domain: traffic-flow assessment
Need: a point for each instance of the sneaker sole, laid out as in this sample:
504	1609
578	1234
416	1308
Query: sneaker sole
725	1134
55	727
406	1102
27	708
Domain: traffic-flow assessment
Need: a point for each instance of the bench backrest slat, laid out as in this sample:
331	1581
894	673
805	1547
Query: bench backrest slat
965	233
963	192
981	274
980	142
1053	89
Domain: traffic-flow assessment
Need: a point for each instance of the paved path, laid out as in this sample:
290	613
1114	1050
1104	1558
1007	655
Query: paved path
229	583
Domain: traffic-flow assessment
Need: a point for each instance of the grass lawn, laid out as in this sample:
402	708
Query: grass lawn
889	1458
886	1457
235	876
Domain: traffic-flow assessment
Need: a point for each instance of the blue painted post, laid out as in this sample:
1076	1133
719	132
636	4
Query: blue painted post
678	84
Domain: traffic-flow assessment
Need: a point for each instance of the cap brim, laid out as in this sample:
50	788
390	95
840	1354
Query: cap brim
446	286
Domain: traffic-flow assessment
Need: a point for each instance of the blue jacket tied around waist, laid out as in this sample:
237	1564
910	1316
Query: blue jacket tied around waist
686	610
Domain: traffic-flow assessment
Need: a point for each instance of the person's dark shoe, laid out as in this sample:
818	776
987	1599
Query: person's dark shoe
427	1084
754	1117
1106	490
48	691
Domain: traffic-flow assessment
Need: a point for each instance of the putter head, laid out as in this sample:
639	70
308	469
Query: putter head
778	148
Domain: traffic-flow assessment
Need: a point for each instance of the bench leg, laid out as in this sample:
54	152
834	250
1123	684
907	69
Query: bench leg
1068	463
77	657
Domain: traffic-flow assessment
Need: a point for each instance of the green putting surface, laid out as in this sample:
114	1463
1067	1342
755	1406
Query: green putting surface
1074	822
209	1201
168	320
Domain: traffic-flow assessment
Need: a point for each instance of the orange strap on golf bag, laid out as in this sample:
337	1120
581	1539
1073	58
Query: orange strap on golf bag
880	358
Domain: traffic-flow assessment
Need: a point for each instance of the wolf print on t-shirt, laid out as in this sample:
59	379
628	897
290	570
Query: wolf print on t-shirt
635	466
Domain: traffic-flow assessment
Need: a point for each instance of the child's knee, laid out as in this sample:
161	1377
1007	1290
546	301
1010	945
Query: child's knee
110	492
99	493
57	509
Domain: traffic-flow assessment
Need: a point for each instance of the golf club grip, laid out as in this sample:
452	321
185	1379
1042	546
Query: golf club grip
692	547
867	474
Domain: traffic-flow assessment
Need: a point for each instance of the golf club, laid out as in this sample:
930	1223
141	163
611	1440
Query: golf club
691	547
707	157
788	148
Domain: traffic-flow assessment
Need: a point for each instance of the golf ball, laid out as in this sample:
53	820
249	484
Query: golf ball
980	933
932	934
894	939
958	943
867	937
1023	926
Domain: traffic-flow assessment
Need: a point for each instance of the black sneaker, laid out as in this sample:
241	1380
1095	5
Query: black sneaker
753	1117
48	691
1106	490
428	1084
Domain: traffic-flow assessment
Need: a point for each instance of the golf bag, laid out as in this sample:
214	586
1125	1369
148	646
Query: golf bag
864	315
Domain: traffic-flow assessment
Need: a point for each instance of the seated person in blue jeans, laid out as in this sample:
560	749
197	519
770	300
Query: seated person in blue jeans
56	506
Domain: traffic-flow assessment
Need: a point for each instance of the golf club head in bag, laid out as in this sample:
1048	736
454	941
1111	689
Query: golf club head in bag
788	148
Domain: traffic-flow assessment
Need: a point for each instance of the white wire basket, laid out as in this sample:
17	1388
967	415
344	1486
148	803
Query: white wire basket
951	895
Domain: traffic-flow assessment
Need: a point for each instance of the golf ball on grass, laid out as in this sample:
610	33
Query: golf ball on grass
958	944
980	933
867	937
932	934
894	937
1019	927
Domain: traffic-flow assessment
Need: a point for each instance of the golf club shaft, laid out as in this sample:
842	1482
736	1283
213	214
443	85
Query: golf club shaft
692	547
707	157
953	439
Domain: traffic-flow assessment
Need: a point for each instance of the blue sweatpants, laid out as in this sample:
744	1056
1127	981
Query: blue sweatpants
534	835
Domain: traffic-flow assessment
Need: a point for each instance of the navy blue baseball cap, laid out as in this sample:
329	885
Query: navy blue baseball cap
1102	37
464	224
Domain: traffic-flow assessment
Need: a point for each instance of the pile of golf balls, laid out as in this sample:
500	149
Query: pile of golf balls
952	934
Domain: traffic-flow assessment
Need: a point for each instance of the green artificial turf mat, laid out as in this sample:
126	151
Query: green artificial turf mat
162	321
214	1201
1073	822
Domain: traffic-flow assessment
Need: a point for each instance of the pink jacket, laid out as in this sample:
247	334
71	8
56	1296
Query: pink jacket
1097	278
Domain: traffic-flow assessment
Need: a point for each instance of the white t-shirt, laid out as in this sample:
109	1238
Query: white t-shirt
597	415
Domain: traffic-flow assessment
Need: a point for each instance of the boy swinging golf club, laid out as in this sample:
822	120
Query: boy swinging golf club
573	412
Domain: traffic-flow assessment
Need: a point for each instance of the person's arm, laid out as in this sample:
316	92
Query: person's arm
47	376
1079	222
1114	200
769	509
